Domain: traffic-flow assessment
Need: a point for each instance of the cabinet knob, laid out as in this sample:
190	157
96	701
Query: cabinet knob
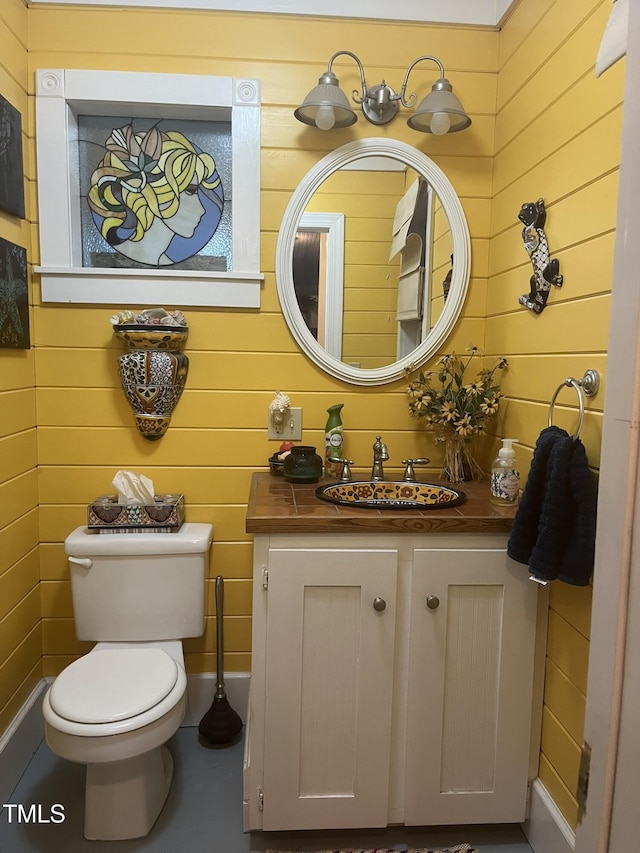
379	604
433	602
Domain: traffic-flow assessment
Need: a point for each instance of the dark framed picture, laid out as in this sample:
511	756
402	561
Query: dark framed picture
11	172
14	297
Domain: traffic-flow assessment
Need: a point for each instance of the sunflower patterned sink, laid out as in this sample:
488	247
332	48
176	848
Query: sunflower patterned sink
373	494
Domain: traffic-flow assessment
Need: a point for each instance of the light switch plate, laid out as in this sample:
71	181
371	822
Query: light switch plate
290	429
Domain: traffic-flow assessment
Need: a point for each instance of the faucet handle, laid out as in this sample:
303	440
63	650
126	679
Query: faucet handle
345	475
409	474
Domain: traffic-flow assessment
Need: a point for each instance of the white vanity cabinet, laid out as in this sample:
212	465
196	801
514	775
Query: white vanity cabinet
392	681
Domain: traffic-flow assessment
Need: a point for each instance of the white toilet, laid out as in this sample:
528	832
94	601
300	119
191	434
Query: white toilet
138	595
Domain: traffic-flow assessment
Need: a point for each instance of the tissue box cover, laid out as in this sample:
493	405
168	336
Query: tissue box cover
166	513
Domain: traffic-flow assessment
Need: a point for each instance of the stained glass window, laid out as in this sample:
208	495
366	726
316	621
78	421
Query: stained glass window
155	193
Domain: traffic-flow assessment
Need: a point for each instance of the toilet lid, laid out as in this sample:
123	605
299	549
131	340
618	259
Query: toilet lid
110	685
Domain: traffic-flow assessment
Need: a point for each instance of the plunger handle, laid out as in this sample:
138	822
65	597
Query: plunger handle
219	637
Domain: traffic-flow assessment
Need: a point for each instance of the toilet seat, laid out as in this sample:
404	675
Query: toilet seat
110	686
102	693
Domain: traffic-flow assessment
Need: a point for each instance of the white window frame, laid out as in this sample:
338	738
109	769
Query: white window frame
62	95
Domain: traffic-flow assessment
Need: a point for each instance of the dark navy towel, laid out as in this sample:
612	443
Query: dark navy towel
555	524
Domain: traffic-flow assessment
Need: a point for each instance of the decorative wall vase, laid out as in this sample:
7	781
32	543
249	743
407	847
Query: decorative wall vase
152	373
545	271
154	337
153	382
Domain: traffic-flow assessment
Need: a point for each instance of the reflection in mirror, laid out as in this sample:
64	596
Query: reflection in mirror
318	275
397	242
309	279
365	260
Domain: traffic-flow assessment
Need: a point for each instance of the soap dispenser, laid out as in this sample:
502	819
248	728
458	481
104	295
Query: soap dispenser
505	476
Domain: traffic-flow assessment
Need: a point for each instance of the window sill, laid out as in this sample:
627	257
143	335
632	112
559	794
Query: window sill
150	286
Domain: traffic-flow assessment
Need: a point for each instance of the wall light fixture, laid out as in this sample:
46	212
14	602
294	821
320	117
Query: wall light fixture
326	106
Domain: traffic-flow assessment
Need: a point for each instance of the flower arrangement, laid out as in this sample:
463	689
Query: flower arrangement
456	407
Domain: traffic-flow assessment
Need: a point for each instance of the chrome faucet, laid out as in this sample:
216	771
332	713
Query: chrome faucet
380	455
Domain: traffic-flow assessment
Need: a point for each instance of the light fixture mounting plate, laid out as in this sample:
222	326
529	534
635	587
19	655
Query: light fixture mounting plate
377	113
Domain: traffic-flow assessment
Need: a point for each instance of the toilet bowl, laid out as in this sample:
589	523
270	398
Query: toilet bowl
113	710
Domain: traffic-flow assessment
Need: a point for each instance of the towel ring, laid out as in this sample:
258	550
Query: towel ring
585	387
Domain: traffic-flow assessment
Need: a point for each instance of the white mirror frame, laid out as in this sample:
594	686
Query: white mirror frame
461	242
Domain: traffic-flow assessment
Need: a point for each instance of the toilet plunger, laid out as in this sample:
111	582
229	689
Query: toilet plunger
220	726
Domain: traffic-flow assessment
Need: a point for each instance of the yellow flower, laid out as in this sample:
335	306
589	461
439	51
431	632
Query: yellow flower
490	406
473	389
463	426
449	410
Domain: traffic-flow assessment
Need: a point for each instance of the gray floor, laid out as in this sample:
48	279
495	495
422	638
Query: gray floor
203	814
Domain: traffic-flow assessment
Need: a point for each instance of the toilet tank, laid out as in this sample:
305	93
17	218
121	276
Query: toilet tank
139	586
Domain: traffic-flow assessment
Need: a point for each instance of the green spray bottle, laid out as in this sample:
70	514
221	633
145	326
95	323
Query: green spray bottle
333	441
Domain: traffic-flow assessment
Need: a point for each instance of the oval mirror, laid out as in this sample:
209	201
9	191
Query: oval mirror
372	261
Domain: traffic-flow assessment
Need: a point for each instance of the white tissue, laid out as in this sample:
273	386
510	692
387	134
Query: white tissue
133	489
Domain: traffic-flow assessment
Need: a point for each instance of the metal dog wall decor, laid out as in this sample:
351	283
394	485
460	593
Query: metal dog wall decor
545	270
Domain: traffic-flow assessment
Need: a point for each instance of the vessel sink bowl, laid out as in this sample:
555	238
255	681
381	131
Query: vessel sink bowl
373	494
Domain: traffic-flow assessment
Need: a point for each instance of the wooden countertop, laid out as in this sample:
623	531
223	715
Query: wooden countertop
277	506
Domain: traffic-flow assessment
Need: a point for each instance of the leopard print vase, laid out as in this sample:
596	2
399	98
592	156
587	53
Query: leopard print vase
153	381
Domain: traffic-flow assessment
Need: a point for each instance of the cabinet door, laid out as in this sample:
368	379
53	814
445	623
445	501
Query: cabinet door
329	672
473	618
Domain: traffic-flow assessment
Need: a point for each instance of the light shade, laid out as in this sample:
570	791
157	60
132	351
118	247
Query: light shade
440	112
326	106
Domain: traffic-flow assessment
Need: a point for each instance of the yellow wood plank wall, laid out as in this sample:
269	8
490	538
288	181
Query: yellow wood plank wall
20	644
218	432
557	138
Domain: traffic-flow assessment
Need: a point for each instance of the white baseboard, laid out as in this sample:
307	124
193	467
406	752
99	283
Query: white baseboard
546	829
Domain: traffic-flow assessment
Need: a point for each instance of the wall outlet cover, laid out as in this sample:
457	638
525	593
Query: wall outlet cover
289	430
